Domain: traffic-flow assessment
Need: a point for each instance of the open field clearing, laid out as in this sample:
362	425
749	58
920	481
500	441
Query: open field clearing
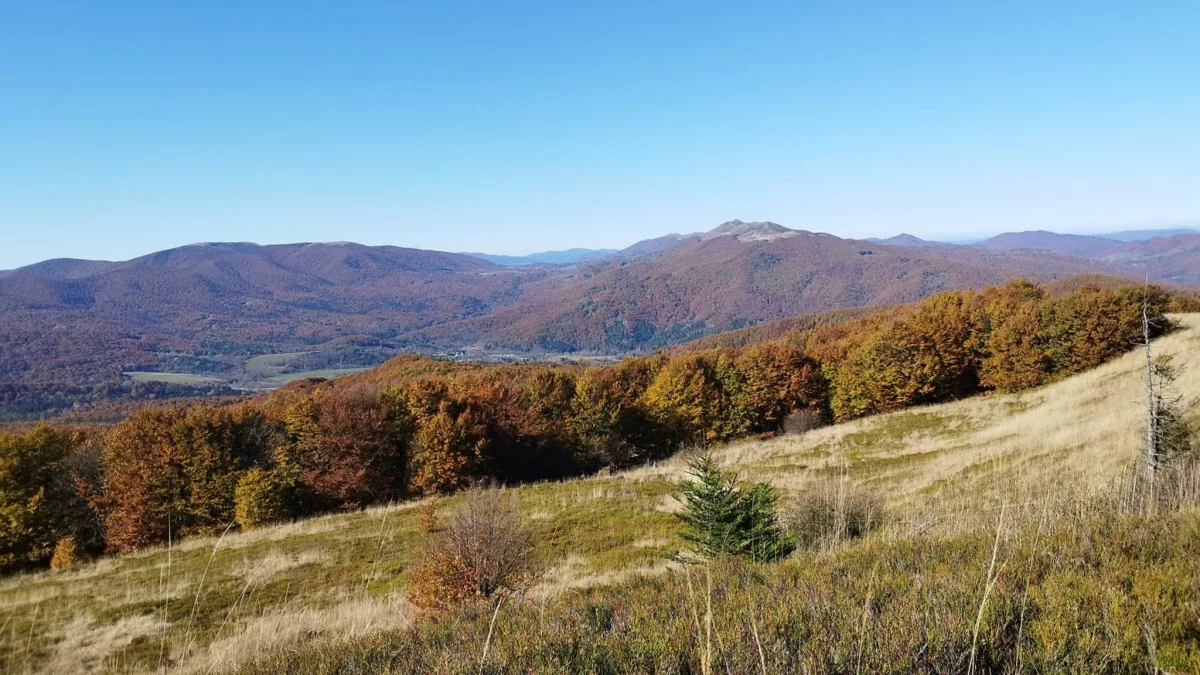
327	373
268	365
171	378
266	371
944	473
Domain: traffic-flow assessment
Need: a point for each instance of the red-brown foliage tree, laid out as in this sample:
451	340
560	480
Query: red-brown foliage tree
348	448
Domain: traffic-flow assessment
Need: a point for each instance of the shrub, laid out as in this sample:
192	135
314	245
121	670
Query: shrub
262	497
801	421
486	550
720	519
429	516
66	553
828	515
1182	304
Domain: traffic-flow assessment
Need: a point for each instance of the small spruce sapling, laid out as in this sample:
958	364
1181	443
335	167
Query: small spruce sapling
721	519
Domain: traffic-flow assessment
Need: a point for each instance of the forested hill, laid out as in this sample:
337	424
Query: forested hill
218	319
703	284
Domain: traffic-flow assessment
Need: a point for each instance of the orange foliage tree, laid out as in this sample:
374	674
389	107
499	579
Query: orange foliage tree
449	447
173	471
778	379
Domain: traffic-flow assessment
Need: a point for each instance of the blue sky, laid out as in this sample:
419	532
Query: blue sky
513	127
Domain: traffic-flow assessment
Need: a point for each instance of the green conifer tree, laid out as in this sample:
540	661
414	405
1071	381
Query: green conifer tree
766	539
720	519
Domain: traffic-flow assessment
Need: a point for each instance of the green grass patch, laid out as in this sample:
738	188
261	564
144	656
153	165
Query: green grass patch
170	378
892	432
269	365
328	374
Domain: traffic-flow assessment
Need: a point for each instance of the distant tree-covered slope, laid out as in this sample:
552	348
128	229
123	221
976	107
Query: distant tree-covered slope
71	320
708	284
1172	259
1082	246
207	308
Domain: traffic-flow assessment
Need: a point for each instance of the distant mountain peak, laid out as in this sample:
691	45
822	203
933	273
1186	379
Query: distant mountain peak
1078	245
754	231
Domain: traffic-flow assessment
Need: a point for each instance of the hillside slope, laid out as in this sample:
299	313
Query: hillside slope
206	309
218	603
711	283
1080	246
1174	259
225	300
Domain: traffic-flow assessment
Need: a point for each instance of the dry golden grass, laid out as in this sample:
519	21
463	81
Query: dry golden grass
85	646
296	627
1082	433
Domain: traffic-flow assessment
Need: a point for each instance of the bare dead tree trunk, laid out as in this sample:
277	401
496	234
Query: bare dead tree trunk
1151	405
1150	450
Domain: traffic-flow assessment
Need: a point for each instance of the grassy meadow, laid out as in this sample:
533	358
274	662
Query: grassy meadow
325	373
269	369
999	534
170	378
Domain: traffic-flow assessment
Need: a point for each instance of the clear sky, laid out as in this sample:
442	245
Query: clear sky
509	127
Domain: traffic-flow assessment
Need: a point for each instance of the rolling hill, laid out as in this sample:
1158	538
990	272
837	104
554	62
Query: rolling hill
1145	235
1080	246
1173	259
229	299
743	275
957	482
570	256
909	241
207	309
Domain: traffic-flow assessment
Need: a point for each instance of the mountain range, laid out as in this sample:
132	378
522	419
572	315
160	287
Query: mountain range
1072	244
568	257
213	308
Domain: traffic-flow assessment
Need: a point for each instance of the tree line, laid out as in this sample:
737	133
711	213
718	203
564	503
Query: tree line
168	472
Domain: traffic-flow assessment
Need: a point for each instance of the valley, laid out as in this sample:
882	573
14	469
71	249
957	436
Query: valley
217	319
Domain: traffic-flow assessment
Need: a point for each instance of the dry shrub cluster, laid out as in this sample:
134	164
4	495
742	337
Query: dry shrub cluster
804	420
485	550
429	515
832	513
